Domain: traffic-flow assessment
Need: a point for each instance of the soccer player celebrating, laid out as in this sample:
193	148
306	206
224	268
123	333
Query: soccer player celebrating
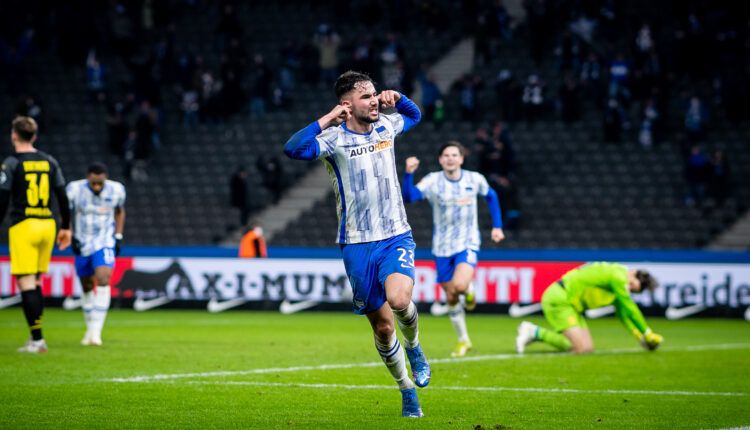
591	286
97	204
26	178
355	142
452	193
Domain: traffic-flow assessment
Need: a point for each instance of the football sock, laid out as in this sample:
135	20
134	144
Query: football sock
101	306
408	322
458	319
87	304
552	338
32	309
393	357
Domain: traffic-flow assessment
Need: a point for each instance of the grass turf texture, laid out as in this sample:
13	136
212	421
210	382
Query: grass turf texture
72	387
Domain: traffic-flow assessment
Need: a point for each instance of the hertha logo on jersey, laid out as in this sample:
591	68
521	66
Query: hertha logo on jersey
370	149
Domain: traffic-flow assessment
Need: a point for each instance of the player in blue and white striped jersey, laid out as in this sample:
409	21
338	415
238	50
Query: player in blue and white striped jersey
453	192
97	205
355	142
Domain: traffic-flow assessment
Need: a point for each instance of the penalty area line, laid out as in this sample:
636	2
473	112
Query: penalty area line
494	357
480	389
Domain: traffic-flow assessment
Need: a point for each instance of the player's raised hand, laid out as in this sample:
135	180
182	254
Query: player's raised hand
64	236
388	98
497	235
412	163
336	116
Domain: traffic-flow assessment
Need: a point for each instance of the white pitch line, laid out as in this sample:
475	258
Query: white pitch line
483	389
495	357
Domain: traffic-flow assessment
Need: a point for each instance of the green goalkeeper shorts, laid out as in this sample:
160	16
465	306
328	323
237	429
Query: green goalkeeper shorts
558	311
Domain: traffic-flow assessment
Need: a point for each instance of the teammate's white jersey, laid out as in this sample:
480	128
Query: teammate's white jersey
454	210
362	168
94	215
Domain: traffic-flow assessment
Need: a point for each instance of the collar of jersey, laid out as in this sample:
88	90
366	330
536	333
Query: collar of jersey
88	185
453	180
343	124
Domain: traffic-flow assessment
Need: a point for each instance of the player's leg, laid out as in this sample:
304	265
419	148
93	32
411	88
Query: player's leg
388	345
389	348
446	274
580	340
103	296
558	313
368	298
26	241
85	272
102	262
396	273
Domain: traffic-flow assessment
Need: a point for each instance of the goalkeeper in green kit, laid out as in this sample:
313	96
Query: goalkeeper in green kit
590	286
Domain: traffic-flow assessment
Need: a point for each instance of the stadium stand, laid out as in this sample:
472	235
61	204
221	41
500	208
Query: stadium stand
575	190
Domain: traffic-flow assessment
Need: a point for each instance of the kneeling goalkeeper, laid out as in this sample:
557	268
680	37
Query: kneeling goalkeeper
590	286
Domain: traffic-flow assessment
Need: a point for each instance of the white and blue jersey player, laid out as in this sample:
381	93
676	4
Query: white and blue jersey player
355	141
452	193
97	205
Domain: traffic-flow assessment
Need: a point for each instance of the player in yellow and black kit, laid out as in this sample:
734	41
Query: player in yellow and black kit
26	179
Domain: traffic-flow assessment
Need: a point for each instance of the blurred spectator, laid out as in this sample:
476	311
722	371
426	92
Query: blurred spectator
189	107
697	171
696	117
591	78
290	66
619	73
272	175
239	193
28	105
468	95
327	42
12	59
117	127
261	80
147	134
533	98
94	74
570	100
508	92
614	118
649	124
430	94
719	179
363	57
569	52
253	244
229	26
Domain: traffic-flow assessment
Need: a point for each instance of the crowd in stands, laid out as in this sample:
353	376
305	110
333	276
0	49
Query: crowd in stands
632	71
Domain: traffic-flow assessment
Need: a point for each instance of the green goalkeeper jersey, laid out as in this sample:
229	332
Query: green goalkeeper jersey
596	285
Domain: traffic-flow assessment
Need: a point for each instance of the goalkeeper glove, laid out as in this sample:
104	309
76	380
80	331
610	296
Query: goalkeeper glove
651	340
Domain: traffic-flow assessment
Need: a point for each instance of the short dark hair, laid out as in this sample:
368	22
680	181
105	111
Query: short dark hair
348	80
25	128
648	282
455	143
97	168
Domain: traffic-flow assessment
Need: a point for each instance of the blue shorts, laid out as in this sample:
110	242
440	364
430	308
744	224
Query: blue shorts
447	265
85	266
369	264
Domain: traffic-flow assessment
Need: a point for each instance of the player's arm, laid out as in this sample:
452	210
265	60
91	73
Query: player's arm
304	144
6	184
404	106
64	236
119	227
70	191
409	191
632	317
493	203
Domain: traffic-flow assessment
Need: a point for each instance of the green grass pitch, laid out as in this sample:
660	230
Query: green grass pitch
190	369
